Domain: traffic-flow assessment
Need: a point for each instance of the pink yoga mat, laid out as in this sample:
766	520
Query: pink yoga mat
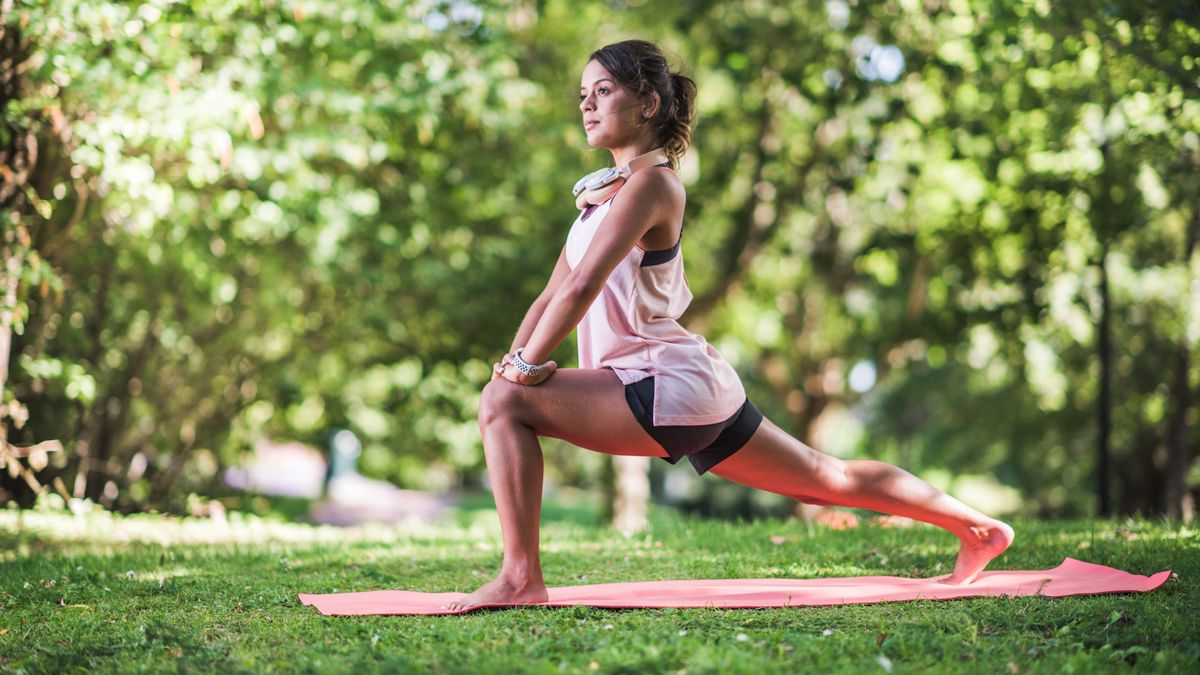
1072	577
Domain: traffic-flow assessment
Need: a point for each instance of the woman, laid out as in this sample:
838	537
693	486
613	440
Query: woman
645	385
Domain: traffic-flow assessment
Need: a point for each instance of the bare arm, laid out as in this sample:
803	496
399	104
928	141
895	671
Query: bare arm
538	308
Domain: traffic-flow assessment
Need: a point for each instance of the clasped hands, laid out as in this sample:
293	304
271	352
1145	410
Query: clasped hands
505	368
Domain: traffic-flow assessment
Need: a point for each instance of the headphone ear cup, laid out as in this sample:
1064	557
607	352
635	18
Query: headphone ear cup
603	177
598	195
595	180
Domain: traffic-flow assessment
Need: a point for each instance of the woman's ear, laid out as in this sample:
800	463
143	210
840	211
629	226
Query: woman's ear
652	109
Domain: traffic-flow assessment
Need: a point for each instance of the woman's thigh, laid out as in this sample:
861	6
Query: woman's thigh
775	461
583	406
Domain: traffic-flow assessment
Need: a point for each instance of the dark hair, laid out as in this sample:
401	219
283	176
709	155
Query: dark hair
640	66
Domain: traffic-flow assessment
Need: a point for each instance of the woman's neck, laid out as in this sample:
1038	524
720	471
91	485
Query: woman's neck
626	154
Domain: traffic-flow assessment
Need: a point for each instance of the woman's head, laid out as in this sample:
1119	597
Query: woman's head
650	100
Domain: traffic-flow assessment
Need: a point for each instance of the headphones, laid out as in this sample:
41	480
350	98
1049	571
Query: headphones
599	185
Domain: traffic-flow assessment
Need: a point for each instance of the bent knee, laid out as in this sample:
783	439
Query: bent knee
834	477
498	400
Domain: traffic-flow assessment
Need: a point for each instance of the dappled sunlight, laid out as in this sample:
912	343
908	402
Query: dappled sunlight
159	576
92	525
1183	533
102	532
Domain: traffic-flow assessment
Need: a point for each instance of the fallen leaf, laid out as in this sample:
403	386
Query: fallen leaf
778	539
1119	618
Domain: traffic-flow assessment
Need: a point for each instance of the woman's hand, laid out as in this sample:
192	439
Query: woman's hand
498	368
512	374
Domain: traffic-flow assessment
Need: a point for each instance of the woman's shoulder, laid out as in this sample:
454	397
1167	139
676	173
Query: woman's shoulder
658	184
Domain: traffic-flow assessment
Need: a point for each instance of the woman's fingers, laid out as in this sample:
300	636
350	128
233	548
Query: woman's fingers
512	374
499	366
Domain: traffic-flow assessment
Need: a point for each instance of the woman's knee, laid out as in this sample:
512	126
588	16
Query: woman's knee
498	400
834	475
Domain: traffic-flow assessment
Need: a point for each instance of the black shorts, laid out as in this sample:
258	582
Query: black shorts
705	445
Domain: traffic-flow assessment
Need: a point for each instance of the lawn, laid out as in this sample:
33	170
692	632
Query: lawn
91	591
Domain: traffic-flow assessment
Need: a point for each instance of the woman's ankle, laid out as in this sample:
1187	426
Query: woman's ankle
522	574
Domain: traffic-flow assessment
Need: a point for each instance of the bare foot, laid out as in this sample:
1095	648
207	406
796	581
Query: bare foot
502	591
981	544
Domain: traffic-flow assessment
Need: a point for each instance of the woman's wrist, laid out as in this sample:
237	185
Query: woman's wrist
525	365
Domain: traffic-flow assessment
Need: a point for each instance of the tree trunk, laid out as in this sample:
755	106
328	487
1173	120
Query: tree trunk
17	156
631	493
10	196
1179	455
11	261
1103	459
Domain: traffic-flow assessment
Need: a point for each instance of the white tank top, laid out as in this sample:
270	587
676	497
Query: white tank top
632	327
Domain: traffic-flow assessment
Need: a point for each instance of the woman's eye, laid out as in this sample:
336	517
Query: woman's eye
601	89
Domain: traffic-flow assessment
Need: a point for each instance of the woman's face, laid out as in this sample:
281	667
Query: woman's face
611	112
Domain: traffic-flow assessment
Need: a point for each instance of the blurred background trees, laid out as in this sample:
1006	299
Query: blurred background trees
957	235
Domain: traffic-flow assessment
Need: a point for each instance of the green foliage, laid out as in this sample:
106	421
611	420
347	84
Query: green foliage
267	218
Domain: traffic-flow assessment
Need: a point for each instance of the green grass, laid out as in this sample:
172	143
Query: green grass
146	593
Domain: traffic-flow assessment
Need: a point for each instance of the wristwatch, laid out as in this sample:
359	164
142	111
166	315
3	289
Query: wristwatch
523	366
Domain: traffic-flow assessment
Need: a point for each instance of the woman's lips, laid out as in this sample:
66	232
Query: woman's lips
589	125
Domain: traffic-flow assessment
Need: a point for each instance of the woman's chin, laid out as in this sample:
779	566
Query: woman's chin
597	141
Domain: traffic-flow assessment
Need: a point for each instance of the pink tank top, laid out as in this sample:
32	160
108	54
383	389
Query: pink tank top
632	328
